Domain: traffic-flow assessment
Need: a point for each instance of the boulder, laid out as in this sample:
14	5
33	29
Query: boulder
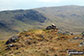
75	38
12	39
10	45
82	44
82	34
51	27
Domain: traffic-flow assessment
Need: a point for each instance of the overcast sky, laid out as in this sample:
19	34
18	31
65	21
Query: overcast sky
29	4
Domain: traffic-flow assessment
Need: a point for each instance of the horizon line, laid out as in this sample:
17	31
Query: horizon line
38	7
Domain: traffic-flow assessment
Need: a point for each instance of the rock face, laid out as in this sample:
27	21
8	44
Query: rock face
31	15
51	27
12	39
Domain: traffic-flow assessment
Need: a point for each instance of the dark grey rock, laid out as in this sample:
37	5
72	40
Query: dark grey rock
82	44
12	39
75	38
51	27
82	34
10	45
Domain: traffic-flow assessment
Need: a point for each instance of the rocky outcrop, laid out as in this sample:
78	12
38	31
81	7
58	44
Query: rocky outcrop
51	27
12	39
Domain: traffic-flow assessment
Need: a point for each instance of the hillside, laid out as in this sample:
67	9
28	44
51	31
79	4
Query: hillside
42	42
68	18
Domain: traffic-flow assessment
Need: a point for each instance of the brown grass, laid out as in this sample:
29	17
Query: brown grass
43	43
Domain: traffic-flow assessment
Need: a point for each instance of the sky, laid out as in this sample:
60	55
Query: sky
30	4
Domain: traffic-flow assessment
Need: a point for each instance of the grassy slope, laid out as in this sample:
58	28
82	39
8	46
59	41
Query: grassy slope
42	43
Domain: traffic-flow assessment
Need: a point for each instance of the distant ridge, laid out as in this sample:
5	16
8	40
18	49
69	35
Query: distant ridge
69	18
